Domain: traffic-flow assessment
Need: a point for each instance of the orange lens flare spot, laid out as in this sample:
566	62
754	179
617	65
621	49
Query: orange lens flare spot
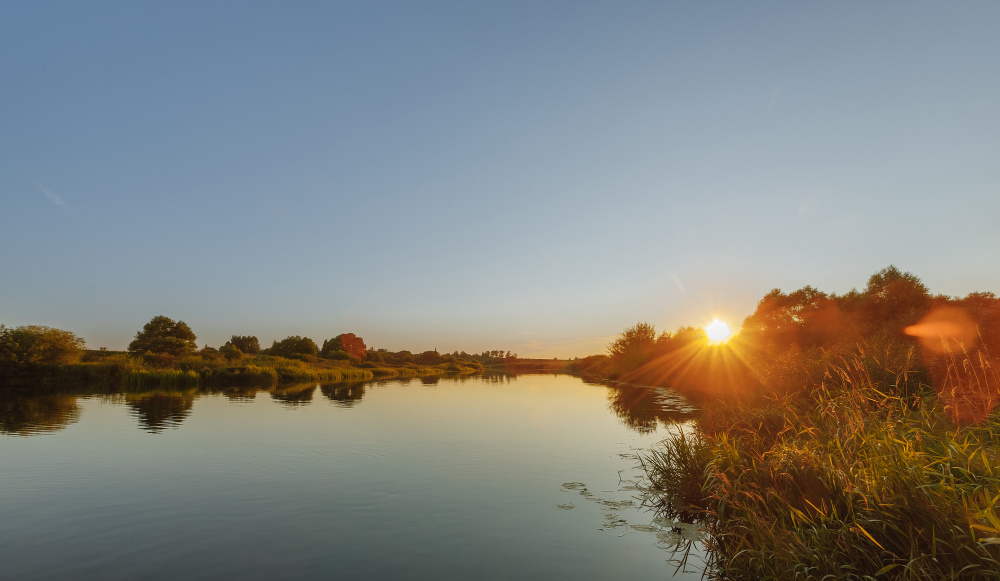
944	328
718	331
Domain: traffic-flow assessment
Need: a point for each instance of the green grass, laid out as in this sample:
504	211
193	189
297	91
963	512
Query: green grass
867	475
145	379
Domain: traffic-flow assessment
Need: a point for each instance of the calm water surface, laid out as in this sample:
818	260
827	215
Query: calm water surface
496	478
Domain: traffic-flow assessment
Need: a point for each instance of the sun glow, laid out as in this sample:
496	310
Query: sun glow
718	331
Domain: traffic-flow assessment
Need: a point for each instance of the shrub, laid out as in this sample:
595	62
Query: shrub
37	345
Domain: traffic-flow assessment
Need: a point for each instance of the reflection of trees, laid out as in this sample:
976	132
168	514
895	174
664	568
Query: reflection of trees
240	394
24	415
494	375
294	395
161	410
643	408
430	380
344	394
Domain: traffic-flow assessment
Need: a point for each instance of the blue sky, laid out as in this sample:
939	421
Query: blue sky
533	176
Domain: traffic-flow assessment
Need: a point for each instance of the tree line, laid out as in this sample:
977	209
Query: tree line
162	341
792	337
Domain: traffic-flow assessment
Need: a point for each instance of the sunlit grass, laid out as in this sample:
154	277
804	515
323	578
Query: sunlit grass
870	473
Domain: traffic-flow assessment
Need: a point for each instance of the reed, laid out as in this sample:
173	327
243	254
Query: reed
871	474
148	379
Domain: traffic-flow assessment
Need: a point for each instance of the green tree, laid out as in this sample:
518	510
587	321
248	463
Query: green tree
246	344
37	345
162	335
294	345
231	352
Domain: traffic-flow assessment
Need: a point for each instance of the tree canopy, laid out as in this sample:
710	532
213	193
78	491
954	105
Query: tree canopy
163	335
294	345
347	342
245	343
37	345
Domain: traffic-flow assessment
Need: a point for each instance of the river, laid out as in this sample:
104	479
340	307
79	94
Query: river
498	477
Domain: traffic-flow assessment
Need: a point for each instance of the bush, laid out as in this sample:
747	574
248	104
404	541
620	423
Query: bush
35	345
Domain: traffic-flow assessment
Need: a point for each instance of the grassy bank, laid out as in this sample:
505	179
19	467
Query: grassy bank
864	475
130	371
853	449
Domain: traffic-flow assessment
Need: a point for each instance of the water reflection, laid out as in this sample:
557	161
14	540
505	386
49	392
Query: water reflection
294	395
26	415
240	394
158	411
641	408
344	394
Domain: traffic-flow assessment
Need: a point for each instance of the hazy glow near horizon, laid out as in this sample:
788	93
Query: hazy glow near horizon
718	331
525	176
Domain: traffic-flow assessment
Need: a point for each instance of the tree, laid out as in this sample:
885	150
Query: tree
634	341
246	344
894	299
162	335
231	352
37	345
347	342
294	345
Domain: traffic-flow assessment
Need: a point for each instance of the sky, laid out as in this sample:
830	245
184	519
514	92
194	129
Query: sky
529	176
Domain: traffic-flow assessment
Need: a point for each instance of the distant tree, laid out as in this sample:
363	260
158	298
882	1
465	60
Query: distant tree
162	335
246	344
377	355
783	319
429	358
403	356
894	298
37	345
348	342
294	345
231	352
634	341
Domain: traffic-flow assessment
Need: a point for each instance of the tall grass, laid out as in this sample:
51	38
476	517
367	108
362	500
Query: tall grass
871	474
144	379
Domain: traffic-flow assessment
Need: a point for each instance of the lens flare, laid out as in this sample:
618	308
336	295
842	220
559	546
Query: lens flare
718	331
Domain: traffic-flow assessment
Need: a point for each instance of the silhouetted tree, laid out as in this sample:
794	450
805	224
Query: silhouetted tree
162	335
895	299
634	346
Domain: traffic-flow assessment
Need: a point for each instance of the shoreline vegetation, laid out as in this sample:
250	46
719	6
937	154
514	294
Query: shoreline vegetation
164	355
839	436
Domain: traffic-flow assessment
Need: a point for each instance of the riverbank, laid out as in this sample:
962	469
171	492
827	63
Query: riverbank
837	437
130	371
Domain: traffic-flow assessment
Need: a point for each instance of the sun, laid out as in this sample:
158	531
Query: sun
718	331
